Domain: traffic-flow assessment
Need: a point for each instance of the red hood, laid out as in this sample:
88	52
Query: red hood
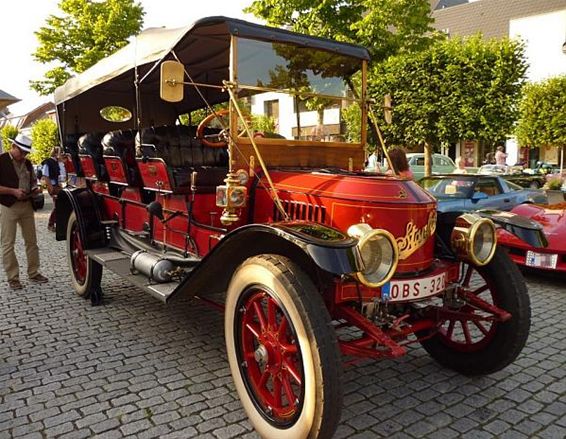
352	187
553	220
399	206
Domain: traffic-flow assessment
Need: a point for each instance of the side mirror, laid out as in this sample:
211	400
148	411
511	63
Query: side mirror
476	196
171	82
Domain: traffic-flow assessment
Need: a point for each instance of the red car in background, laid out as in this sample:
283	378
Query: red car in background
553	219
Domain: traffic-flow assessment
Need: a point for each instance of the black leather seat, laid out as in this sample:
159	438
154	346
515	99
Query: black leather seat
71	147
121	144
90	144
182	152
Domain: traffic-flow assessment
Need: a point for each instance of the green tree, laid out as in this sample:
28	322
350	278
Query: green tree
542	119
44	137
265	124
85	33
6	133
463	88
385	27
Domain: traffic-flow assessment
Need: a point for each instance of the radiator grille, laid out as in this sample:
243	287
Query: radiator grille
298	210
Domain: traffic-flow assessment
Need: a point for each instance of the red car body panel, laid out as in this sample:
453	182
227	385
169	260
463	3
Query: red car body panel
398	206
553	220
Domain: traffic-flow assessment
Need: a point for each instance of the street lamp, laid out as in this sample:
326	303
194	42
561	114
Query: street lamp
564	48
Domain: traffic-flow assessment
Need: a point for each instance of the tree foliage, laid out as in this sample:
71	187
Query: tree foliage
6	133
86	32
542	119
463	88
385	27
44	137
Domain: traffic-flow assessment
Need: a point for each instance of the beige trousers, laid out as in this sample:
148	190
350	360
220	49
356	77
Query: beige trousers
20	213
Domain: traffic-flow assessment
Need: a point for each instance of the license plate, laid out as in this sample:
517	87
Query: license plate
413	289
541	260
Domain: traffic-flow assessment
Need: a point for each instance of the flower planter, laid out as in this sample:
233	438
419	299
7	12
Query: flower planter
554	196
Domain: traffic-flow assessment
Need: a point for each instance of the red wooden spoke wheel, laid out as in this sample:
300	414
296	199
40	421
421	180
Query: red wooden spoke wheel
475	327
86	274
271	362
78	256
282	350
486	328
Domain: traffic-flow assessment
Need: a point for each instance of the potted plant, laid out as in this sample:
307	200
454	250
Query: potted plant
553	189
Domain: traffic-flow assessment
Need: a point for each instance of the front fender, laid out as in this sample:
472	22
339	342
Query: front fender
522	227
316	248
86	206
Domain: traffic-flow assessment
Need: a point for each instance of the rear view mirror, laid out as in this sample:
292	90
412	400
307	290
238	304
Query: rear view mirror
114	113
171	83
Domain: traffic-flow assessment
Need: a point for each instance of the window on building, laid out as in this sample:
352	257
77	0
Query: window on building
271	109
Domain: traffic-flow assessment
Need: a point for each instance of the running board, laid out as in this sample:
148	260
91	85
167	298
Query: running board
119	263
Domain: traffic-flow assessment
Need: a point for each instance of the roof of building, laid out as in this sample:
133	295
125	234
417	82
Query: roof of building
7	99
25	121
448	3
40	112
490	17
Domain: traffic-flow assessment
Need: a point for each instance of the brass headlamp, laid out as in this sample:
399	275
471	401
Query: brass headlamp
379	253
474	239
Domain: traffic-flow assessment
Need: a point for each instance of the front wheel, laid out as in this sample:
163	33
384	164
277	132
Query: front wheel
282	350
471	340
86	274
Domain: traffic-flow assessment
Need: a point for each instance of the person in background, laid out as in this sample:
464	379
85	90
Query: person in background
62	169
17	184
399	163
460	166
319	132
51	177
372	164
500	156
489	159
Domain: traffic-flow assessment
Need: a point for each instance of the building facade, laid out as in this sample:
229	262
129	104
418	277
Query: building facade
540	24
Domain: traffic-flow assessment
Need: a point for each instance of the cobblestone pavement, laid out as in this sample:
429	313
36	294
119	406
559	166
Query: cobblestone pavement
136	368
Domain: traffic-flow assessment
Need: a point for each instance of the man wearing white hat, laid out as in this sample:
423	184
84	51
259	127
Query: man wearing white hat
17	184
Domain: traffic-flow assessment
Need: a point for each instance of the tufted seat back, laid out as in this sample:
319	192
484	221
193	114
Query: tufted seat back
121	144
90	144
71	147
182	152
178	147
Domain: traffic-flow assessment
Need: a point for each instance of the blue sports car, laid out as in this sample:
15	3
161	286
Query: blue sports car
466	192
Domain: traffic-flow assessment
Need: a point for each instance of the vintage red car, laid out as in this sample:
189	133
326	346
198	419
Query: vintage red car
271	218
552	217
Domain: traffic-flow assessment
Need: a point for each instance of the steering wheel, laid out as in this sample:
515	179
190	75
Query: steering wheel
204	123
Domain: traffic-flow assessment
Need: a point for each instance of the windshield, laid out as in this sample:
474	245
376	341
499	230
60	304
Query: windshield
448	187
492	169
299	93
514	186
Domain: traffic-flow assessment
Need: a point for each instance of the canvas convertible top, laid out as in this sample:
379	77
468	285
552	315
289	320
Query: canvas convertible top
203	47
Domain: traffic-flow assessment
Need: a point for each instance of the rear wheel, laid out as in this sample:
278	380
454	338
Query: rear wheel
282	350
472	341
86	274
